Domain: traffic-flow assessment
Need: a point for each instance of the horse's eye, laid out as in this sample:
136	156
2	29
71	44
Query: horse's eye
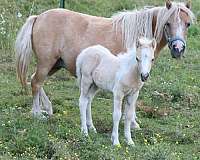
137	59
187	25
152	60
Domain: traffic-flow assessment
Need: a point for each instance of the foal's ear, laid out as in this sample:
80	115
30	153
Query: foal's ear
168	4
188	4
154	44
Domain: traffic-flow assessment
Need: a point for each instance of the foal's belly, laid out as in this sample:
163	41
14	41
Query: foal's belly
104	77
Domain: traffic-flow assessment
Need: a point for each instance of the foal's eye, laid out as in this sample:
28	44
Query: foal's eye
168	24
152	60
187	25
137	59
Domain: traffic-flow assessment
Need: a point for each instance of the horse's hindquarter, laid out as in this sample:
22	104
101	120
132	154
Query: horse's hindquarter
62	33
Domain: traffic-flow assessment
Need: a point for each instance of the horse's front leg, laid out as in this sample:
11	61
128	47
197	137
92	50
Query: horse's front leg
118	97
129	113
134	123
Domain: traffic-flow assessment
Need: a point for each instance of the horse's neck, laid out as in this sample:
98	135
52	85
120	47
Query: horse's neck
163	41
160	46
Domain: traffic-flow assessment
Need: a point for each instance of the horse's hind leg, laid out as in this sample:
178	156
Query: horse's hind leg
37	90
46	102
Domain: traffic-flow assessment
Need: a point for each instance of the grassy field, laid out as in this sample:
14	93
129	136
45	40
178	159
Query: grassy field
169	111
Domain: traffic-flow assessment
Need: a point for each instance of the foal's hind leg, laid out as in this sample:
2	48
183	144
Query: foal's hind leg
91	93
84	101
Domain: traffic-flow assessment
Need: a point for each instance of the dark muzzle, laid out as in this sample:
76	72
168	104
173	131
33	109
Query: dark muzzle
177	47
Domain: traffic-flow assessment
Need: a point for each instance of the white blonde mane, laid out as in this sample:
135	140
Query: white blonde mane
137	23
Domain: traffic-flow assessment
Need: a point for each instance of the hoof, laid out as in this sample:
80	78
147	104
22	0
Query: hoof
93	129
117	145
131	143
135	126
84	132
115	142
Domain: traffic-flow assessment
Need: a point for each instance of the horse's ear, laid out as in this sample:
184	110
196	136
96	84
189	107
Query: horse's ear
168	4
188	4
154	44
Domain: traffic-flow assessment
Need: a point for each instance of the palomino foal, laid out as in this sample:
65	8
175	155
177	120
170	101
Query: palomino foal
123	75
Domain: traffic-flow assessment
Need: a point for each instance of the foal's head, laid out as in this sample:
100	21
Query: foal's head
145	56
175	29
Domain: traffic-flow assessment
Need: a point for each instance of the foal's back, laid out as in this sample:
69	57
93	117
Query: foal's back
99	63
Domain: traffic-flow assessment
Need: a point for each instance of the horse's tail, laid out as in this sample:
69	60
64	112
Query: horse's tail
23	49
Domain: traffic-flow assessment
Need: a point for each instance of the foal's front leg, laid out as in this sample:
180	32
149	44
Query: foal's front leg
116	117
129	113
134	123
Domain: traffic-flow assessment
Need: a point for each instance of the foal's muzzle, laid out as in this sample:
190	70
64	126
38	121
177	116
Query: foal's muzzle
177	47
144	77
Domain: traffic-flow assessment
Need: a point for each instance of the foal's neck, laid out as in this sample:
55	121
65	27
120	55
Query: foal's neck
129	66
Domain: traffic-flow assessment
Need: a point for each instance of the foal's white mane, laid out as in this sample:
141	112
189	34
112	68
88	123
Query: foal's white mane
137	23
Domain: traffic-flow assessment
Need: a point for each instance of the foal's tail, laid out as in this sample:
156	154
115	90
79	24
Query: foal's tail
78	70
23	49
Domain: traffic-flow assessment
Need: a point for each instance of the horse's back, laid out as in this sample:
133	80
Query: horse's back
61	27
60	33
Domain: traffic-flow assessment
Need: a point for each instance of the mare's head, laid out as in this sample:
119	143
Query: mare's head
176	27
145	56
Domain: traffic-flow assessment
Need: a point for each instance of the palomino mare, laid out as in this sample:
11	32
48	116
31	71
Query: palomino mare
125	77
57	36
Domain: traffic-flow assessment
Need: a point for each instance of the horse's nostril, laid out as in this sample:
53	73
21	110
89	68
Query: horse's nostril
174	46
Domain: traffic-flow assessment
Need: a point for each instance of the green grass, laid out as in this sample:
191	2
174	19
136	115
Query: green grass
174	87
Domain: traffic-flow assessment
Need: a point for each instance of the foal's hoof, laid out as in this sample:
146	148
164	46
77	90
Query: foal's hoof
93	129
117	145
131	143
115	142
84	132
135	126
